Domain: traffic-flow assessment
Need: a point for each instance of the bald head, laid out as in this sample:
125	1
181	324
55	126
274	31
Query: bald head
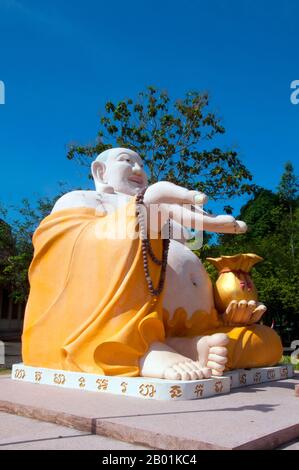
120	168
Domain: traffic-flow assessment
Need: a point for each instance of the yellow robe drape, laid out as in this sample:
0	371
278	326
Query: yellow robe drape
249	346
89	307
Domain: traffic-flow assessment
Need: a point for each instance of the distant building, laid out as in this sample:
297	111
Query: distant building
11	316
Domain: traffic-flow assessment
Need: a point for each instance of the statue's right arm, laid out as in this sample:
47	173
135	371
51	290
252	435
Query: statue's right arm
165	197
168	198
171	201
170	193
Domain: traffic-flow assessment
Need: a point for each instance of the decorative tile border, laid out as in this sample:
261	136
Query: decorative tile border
141	387
246	377
148	388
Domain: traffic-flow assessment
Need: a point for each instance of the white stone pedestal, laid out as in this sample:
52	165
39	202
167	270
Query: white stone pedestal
141	387
149	388
246	377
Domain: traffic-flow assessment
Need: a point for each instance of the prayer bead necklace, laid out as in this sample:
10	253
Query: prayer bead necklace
148	251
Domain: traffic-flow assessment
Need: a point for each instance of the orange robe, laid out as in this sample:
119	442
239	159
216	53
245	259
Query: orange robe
249	346
89	307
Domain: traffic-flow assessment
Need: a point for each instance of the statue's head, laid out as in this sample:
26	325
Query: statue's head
120	168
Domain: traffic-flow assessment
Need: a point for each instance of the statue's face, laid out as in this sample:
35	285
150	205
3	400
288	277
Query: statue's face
124	172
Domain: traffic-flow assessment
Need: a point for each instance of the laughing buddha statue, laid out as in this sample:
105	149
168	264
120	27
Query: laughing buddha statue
135	305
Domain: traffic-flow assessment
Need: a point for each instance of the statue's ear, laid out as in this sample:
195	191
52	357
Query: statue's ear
98	170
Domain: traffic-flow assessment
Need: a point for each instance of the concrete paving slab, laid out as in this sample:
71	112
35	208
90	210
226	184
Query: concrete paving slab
18	429
254	418
262	416
291	446
91	442
20	433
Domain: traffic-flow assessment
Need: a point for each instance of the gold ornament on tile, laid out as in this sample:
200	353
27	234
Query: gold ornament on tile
199	390
38	376
20	374
102	384
147	390
271	374
82	382
242	379
257	377
218	387
284	373
234	281
124	386
59	379
175	391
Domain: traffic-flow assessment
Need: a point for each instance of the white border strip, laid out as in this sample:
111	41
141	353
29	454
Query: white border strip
141	387
246	377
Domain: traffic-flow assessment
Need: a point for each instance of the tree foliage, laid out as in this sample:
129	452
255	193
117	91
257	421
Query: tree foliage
288	186
174	139
7	245
16	245
287	192
277	277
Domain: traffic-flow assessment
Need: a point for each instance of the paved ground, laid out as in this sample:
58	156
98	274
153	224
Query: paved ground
263	416
19	433
291	446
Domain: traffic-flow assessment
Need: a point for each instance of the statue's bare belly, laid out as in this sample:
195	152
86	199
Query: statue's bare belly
187	283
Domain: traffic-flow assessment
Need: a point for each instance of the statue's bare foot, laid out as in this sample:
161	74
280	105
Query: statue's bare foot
212	353
162	362
187	370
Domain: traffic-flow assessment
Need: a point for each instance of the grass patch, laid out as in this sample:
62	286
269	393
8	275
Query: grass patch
5	371
287	360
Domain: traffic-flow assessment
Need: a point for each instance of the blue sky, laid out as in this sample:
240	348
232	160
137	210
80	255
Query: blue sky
61	61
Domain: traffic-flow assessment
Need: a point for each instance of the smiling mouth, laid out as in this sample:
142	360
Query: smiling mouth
136	179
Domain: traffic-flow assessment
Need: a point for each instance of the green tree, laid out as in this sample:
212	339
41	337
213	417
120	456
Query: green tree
276	278
7	246
16	241
174	139
288	192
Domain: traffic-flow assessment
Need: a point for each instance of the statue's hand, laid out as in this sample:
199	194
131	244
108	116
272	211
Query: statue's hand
243	313
170	193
